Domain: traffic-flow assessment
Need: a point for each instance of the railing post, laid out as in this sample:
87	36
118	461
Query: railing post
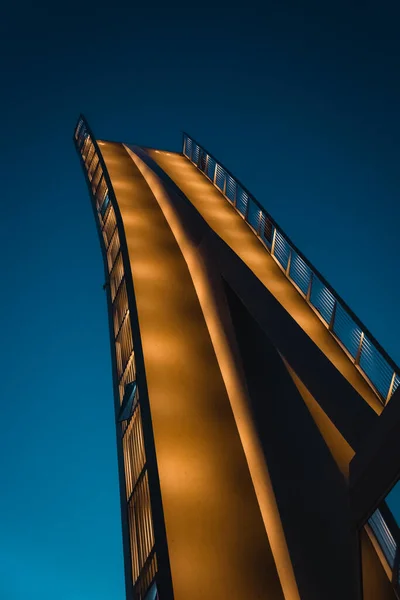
215	173
224	188
184	145
206	167
358	355
259	224
289	262
332	321
308	296
246	212
389	394
273	242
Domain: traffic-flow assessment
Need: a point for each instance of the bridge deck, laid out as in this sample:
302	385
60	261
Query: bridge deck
228	224
216	540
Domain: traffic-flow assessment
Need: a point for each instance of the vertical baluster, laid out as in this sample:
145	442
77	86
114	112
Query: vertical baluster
273	242
310	286
289	262
389	394
259	223
358	355
332	321
246	212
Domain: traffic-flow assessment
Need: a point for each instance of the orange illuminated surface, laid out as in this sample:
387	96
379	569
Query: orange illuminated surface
213	475
227	223
228	361
217	543
231	227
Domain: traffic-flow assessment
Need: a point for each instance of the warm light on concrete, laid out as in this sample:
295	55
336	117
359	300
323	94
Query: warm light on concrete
217	544
249	457
234	383
227	223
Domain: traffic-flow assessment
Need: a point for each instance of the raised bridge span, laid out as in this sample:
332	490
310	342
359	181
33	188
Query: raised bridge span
342	335
245	389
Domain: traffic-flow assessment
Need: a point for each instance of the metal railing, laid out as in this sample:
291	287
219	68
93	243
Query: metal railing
366	354
384	536
137	509
384	526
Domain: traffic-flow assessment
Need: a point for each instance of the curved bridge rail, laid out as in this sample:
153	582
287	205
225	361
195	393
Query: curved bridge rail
366	354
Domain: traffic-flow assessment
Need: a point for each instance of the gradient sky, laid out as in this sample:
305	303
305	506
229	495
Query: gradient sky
302	104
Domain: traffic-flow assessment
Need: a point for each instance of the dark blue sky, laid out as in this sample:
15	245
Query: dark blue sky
300	103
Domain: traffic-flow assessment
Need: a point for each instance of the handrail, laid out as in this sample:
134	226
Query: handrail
370	359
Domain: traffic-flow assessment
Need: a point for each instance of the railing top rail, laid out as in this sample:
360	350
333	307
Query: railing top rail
347	309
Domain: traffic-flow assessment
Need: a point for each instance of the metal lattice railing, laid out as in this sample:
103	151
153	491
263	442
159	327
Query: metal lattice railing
369	358
383	524
137	509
